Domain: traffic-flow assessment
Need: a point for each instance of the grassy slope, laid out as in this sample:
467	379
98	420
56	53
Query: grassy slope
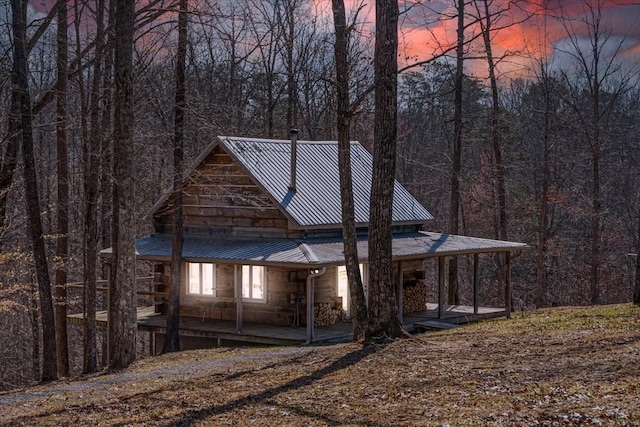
566	366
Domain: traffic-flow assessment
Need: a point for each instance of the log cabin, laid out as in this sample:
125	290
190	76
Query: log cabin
263	252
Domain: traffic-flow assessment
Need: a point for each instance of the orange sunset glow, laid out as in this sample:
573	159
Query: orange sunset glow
523	30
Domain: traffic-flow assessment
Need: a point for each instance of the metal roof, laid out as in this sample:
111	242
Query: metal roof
316	200
314	252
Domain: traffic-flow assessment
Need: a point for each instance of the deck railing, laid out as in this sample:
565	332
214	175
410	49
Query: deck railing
100	286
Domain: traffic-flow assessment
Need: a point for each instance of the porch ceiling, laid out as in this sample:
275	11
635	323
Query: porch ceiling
313	252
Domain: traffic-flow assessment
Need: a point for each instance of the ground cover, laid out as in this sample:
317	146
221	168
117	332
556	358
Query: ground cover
560	366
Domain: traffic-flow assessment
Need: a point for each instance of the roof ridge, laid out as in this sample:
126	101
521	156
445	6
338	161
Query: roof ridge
282	141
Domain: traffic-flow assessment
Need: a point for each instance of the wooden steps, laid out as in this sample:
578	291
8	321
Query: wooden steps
435	324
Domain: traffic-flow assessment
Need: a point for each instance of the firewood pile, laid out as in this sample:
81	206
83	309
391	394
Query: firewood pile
415	298
327	313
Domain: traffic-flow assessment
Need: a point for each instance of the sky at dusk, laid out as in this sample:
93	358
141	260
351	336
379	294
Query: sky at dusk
527	28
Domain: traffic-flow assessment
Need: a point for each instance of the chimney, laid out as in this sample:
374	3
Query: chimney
294	154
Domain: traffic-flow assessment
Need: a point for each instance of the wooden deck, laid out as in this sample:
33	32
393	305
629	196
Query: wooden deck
225	331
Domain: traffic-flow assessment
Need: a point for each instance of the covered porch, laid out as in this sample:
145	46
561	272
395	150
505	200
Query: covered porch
225	332
313	257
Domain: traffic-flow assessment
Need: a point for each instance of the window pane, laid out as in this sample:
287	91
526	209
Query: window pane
246	281
207	279
194	277
258	282
343	286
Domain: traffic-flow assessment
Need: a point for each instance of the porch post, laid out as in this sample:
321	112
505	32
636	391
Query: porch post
400	290
440	286
507	283
310	305
475	284
238	291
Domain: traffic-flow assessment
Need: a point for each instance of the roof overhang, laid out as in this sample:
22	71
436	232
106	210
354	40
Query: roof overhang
315	252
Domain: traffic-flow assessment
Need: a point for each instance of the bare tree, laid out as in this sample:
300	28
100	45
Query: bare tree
486	20
91	187
171	342
12	145
268	32
122	306
343	125
543	219
547	87
454	209
9	156
20	68
288	25
383	320
598	68
62	211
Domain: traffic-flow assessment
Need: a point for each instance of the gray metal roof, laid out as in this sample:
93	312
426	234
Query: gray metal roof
158	246
314	252
316	201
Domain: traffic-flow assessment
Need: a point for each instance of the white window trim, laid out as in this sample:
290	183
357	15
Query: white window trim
188	266
238	273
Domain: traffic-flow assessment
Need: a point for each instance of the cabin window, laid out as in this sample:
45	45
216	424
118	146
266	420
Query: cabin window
254	283
201	278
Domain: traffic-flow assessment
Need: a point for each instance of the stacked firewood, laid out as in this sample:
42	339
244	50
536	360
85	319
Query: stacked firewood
326	313
415	298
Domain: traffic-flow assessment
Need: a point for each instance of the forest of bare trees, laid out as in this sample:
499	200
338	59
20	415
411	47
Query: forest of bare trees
547	153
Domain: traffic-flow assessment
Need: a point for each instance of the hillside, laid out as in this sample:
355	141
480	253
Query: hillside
564	366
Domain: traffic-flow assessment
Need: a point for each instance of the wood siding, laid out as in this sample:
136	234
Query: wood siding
220	198
282	287
279	308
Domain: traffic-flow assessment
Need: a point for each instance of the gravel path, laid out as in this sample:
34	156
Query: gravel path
184	372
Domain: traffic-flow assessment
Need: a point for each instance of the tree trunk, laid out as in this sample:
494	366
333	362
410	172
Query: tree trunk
92	174
106	151
49	365
636	292
62	240
596	203
356	291
383	321
122	301
292	89
10	159
106	148
497	171
595	216
34	319
543	221
496	146
171	342
454	209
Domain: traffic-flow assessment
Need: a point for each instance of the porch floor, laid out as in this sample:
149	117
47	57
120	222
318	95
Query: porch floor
225	330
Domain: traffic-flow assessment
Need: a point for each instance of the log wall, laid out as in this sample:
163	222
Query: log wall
279	309
220	198
283	286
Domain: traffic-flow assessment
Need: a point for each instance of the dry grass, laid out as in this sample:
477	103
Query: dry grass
567	366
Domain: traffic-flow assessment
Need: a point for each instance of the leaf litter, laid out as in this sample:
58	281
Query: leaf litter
570	366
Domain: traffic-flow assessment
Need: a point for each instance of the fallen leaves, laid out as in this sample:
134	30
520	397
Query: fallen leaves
564	367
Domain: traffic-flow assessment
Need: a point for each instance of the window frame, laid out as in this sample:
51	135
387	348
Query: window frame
241	277
189	265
